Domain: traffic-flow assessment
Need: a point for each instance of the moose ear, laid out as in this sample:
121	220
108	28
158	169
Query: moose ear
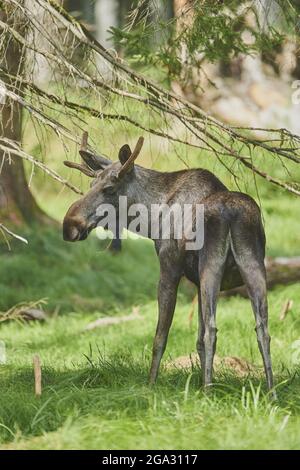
94	161
124	153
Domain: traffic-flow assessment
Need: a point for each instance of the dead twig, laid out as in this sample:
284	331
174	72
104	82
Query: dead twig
287	306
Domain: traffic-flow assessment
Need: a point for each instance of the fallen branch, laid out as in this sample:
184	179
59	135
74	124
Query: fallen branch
279	271
107	321
25	311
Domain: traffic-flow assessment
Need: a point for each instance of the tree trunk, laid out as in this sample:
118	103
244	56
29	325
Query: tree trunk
17	204
37	66
106	16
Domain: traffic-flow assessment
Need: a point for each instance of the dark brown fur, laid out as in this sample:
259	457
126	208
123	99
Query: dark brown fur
233	251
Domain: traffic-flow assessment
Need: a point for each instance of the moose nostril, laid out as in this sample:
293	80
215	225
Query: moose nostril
73	233
71	230
74	226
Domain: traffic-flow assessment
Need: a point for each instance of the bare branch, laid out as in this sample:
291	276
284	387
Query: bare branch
208	134
11	147
12	234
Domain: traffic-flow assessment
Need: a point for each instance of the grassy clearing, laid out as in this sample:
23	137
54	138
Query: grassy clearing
95	392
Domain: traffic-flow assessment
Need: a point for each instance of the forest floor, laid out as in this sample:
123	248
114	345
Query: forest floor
95	393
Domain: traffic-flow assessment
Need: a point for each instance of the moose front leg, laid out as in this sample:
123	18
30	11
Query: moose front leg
167	294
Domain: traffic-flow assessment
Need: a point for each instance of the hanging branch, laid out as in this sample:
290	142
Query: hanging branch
10	147
162	96
208	133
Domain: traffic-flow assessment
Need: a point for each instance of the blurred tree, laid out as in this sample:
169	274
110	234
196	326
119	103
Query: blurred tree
17	204
296	71
38	65
106	16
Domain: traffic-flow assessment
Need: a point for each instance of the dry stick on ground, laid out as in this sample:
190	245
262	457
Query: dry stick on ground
37	375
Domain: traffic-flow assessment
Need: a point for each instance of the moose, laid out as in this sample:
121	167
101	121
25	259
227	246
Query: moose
232	254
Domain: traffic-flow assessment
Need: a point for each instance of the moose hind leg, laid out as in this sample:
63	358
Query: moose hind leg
249	256
211	268
201	330
255	280
260	308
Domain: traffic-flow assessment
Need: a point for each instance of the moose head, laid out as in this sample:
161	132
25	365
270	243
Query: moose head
110	179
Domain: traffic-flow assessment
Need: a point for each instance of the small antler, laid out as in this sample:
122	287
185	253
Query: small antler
82	168
84	139
84	153
93	161
128	164
87	157
78	166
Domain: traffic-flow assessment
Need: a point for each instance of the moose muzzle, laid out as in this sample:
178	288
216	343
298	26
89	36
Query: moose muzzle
75	226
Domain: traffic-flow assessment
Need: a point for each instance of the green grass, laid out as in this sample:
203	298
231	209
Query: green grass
79	277
95	392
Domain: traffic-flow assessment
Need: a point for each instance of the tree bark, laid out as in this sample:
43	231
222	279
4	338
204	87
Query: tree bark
17	204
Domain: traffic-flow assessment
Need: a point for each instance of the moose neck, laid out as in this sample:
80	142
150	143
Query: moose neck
148	187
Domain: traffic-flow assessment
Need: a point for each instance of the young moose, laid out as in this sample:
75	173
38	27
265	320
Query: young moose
232	254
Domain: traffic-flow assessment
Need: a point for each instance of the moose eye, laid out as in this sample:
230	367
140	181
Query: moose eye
109	189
